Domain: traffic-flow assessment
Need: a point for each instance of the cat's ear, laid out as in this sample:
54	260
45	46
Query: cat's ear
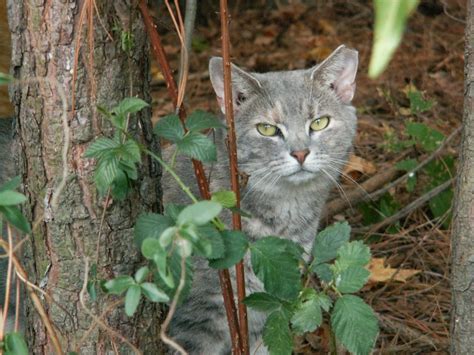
338	71
243	84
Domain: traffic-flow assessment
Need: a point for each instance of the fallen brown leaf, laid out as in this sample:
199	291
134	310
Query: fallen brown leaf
381	273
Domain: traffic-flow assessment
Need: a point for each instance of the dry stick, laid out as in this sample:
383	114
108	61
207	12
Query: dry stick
224	276
9	277
409	208
234	171
357	195
36	302
166	339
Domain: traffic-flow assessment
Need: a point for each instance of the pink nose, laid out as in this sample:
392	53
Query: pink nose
300	155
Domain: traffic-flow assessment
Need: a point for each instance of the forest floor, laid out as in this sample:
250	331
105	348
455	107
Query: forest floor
423	84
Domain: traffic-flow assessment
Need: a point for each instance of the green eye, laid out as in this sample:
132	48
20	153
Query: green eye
267	130
319	123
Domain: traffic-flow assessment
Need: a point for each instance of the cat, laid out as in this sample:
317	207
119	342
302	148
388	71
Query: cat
294	133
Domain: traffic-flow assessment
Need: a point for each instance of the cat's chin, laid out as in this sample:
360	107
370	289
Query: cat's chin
300	177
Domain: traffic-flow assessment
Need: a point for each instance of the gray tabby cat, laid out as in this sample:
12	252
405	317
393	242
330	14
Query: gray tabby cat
294	133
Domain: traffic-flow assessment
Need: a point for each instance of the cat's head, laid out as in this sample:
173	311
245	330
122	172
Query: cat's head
293	127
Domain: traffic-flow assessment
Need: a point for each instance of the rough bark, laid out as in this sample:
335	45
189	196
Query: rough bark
43	35
462	320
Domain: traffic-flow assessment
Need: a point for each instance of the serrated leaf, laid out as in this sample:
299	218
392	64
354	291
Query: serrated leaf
153	293
417	103
308	316
14	216
235	247
329	240
406	164
100	147
130	105
277	335
118	285
133	151
141	274
262	302
132	299
13	184
199	213
276	267
211	237
226	198
173	210
390	20
354	324
200	120
324	301
198	146
352	279
11	198
119	187
15	344
355	253
429	139
169	128
323	271
150	225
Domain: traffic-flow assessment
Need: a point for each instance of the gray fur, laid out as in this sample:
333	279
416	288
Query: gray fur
283	199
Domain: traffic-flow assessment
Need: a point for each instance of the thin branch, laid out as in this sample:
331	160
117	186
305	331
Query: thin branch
9	277
409	208
166	339
234	170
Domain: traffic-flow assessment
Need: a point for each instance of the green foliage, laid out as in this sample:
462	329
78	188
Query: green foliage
276	265
277	335
263	302
308	315
191	143
5	79
408	165
328	242
390	19
235	247
14	344
9	199
355	324
199	213
417	102
226	198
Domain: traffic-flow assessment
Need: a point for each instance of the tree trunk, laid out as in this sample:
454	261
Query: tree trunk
43	48
462	320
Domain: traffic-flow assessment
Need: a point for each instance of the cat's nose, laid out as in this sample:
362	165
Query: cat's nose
300	155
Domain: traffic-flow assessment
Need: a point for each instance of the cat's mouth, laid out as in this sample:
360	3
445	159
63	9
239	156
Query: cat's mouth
300	175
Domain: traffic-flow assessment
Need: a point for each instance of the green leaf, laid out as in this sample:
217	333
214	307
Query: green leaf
429	139
153	293
11	198
100	147
323	271
173	210
198	146
308	315
169	128
408	165
150	225
417	103
262	302
106	172
354	324
133	151
209	237
130	105
152	247
226	198
441	204
324	301
142	274
352	279
91	290
13	184
390	20
277	335
235	247
132	299
15	344
199	213
14	216
200	120
5	79
329	240
118	285
355	253
277	267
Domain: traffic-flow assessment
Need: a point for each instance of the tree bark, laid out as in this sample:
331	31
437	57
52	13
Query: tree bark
462	320
43	48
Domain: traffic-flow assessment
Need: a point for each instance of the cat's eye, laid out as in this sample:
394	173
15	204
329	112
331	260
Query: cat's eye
319	123
267	130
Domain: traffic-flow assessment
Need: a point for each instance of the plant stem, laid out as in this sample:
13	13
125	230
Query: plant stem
234	171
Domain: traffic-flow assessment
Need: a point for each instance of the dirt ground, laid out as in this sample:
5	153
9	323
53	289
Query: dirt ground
415	314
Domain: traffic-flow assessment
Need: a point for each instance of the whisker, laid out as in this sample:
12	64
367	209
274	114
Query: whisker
341	190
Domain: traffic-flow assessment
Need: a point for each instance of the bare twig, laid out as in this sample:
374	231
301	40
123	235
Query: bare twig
409	208
234	171
166	339
9	277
